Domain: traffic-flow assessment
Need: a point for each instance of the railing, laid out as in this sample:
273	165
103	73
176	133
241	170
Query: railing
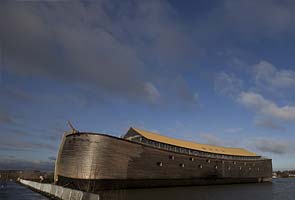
187	151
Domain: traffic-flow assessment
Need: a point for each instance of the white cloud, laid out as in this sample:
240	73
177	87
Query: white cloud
227	84
267	18
8	118
183	92
101	44
152	93
177	90
267	76
260	144
211	139
266	107
196	97
272	145
269	124
233	130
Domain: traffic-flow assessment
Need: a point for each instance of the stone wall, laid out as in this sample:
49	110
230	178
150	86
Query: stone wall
59	192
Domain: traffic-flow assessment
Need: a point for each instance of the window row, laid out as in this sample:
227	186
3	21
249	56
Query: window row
160	164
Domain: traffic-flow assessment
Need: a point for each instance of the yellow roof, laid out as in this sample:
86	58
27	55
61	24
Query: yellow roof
193	145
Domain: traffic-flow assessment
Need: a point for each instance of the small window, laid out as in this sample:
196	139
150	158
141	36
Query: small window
229	168
191	159
222	162
235	162
216	167
200	166
160	164
181	165
258	169
240	168
171	157
208	161
249	168
245	163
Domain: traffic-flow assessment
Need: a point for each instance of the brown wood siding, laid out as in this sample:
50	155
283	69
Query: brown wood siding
101	157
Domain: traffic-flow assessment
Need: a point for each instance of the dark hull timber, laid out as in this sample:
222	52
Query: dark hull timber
93	162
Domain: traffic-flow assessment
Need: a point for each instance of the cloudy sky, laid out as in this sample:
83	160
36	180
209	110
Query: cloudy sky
217	72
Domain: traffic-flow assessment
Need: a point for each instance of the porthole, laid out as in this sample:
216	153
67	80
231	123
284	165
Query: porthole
258	169
249	168
208	161
229	168
235	162
222	162
181	165
171	157
200	166
245	163
216	167
191	159
160	164
240	168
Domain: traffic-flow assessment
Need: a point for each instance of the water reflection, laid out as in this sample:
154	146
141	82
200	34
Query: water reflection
280	189
13	191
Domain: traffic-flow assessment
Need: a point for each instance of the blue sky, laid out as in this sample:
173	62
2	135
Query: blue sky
218	72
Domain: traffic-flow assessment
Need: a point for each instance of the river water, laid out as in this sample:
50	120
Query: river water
279	189
14	191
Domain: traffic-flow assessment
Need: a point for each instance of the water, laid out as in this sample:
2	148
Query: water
14	191
280	189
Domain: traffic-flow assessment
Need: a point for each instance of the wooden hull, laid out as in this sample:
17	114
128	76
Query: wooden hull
93	162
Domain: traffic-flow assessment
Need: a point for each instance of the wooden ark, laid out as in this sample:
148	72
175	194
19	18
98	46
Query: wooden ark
94	162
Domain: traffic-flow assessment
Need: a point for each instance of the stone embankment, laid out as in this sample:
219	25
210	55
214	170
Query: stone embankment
59	192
